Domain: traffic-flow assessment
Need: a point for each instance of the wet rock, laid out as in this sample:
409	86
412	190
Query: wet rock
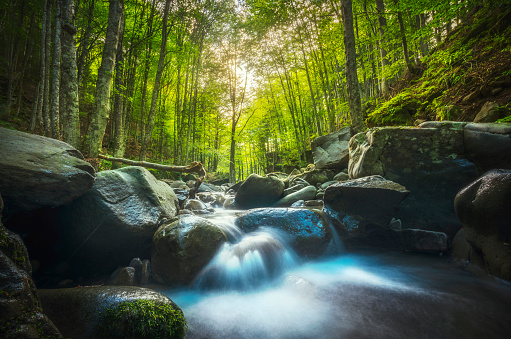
488	146
113	312
146	272
259	191
136	263
38	172
483	208
328	183
306	193
126	277
207	187
461	247
488	113
115	221
332	150
182	248
294	188
429	161
423	241
194	205
354	205
307	230
316	176
20	312
229	202
342	176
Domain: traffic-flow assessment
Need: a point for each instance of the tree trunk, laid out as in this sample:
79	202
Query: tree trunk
69	82
157	80
55	86
357	121
98	122
119	99
382	25
46	93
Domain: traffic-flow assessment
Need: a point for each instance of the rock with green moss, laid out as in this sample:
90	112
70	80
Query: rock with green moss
113	312
38	172
430	162
182	248
115	221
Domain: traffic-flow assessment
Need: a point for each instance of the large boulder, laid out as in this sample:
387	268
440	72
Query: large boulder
332	150
488	146
308	230
113	312
430	162
115	221
357	206
484	209
20	309
181	249
258	191
38	172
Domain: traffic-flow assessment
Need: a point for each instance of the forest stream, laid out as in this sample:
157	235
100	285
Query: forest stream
356	294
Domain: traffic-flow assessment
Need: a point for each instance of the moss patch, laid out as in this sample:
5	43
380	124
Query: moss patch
142	319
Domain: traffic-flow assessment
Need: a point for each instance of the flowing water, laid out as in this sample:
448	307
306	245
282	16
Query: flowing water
256	287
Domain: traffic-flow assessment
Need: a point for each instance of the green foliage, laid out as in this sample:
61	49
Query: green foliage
142	319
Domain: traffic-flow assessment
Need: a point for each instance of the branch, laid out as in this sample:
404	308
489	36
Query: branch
193	167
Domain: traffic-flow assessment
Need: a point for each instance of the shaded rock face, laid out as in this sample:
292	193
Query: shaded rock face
184	247
332	150
429	162
113	312
20	309
488	146
484	209
259	191
308	231
115	221
356	206
38	172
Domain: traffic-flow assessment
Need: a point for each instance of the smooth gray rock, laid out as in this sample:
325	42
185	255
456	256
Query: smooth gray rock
126	277
38	172
306	193
181	249
488	113
308	230
355	206
332	150
113	312
115	221
259	191
488	146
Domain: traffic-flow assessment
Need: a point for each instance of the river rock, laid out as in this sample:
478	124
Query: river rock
356	206
258	191
113	312
38	172
194	205
430	162
115	221
488	146
20	312
306	193
126	277
342	176
332	150
488	113
483	208
308	231
184	247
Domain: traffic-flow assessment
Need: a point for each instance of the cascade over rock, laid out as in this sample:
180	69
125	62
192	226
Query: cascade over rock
357	206
258	191
484	209
307	229
331	151
430	162
115	221
38	172
184	247
113	312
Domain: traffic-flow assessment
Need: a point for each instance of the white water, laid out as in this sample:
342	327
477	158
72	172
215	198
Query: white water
261	290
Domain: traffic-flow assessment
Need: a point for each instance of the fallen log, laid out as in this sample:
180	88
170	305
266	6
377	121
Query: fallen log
193	167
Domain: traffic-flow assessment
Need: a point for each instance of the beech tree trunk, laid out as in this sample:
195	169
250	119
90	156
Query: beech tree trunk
46	87
55	86
69	110
101	110
382	25
357	120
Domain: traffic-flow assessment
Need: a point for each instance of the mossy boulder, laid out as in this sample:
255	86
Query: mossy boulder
182	248
115	221
38	172
258	191
113	312
308	231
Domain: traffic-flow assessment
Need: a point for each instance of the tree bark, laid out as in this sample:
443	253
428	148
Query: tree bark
357	121
46	87
98	122
69	82
382	25
119	100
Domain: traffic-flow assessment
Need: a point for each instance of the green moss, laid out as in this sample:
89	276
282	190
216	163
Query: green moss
142	319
